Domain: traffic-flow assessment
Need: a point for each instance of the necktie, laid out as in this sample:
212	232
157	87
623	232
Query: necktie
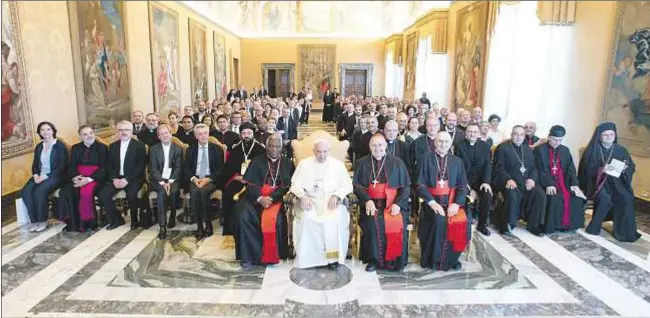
286	129
203	167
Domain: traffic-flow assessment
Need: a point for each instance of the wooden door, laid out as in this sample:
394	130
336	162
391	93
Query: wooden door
284	82
235	72
355	82
272	83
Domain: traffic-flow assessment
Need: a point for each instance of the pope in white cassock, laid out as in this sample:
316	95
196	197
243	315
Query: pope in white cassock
321	224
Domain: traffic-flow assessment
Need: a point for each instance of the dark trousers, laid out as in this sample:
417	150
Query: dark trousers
521	203
200	201
304	117
106	198
35	196
163	198
484	205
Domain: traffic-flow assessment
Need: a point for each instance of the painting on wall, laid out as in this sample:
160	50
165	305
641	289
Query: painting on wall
220	84
198	61
627	101
317	67
409	72
469	58
101	63
163	26
17	127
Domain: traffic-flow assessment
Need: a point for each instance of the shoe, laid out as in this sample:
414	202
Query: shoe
40	227
162	233
333	266
457	266
134	225
505	233
171	223
371	267
31	227
246	265
115	225
200	234
537	232
209	230
483	230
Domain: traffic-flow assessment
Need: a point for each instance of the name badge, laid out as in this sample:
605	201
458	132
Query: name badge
244	166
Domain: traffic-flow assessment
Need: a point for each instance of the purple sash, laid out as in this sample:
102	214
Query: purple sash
601	177
86	207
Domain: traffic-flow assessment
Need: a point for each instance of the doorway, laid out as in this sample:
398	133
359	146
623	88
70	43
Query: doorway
278	78
356	79
235	72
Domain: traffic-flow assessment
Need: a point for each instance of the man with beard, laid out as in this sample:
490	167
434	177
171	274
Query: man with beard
557	174
262	133
516	176
425	143
203	164
165	165
605	172
127	159
88	172
477	162
223	134
382	184
198	117
395	147
457	135
402	123
364	142
230	180
260	229
186	135
149	136
444	228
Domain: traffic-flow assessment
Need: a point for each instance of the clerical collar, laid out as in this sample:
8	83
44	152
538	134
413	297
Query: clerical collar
431	137
514	144
441	156
273	160
125	141
472	143
606	146
89	145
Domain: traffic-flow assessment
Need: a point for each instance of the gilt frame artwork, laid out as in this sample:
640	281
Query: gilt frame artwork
410	63
469	56
100	59
317	66
17	124
627	97
198	61
165	60
220	79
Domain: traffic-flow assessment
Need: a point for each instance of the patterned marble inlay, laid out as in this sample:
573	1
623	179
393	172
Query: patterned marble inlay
31	262
321	278
16	237
483	268
612	265
180	262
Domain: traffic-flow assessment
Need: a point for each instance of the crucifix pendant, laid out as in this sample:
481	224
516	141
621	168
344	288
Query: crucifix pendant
554	169
522	169
441	183
374	183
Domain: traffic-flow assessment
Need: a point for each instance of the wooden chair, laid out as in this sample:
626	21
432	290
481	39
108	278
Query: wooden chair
338	150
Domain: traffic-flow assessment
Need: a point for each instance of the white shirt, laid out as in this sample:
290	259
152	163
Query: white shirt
200	158
167	170
235	128
124	145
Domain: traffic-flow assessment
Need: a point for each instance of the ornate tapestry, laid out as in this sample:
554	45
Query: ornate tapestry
627	101
469	58
17	126
409	72
317	66
220	85
163	26
198	61
101	63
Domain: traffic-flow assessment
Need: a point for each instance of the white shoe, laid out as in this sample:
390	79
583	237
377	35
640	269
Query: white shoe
32	227
41	227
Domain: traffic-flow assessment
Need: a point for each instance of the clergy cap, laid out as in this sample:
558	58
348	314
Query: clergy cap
557	131
247	126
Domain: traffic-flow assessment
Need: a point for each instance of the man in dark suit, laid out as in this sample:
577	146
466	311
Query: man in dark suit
148	135
165	162
241	93
137	117
127	159
198	117
263	92
186	136
289	130
203	165
223	134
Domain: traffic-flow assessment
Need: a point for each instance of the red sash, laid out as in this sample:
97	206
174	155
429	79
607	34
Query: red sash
269	219
558	175
457	224
86	209
227	155
393	224
231	179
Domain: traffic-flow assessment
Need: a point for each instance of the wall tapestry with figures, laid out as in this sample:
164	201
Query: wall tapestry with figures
627	101
198	61
17	132
163	26
317	66
469	58
220	84
100	62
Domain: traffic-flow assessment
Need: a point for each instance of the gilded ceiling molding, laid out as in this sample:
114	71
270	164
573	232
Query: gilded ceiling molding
556	12
493	13
397	39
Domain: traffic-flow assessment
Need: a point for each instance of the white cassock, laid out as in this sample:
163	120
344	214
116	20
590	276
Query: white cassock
320	235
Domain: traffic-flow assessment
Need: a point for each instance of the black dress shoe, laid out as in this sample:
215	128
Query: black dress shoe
200	234
537	232
172	222
134	225
457	266
112	226
246	265
371	267
209	230
333	266
483	230
162	233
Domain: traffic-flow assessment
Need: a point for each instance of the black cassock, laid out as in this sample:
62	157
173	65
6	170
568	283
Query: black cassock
614	199
400	149
420	147
231	170
478	165
247	228
228	138
328	107
519	202
435	249
564	211
186	137
68	202
394	175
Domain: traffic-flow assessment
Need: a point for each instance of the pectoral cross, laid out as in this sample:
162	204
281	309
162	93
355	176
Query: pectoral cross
441	183
374	183
554	169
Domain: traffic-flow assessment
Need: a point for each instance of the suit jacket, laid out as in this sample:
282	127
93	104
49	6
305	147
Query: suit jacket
292	132
142	127
295	114
148	137
263	92
157	162
196	119
229	138
215	157
58	160
243	94
134	161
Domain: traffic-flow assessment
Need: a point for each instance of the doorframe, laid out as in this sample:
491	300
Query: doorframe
278	66
368	67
